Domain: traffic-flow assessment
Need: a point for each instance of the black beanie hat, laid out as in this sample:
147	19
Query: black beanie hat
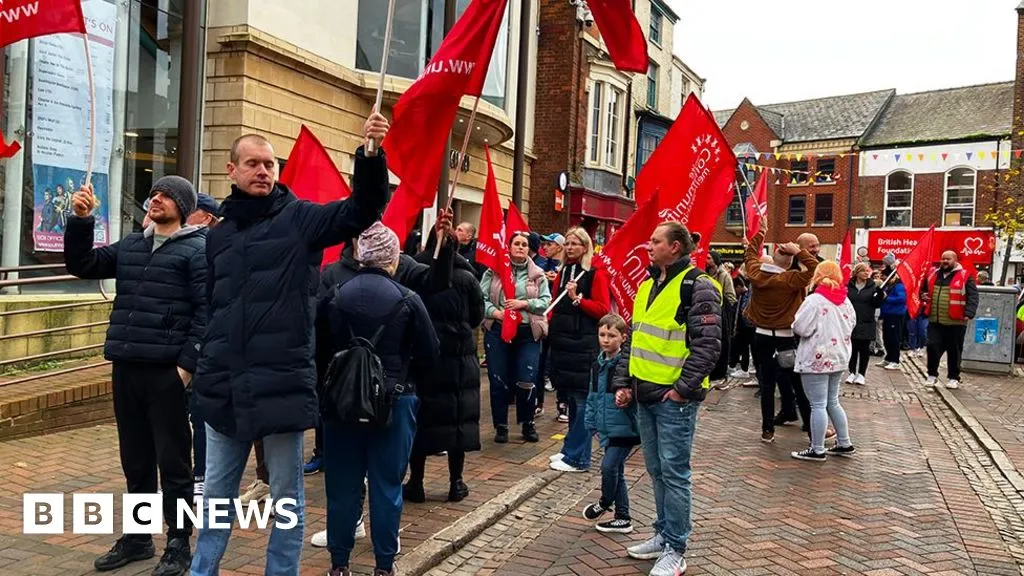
180	190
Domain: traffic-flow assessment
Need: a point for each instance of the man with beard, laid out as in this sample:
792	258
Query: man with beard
156	331
950	302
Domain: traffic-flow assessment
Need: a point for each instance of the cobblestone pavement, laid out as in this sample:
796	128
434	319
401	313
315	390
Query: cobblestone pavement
920	497
86	460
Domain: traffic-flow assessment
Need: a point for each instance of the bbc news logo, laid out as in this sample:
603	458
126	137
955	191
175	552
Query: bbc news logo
144	513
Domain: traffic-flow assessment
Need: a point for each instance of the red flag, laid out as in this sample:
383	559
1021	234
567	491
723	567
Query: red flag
913	269
757	205
621	33
972	271
694	169
625	255
311	175
845	258
21	19
423	116
401	214
514	223
8	150
490	243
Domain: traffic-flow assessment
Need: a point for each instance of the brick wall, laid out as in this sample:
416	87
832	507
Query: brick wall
560	122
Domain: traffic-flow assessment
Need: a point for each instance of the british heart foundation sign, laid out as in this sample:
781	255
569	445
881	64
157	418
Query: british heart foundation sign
974	245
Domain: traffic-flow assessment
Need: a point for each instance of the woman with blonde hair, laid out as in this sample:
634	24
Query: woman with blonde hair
572	338
824	324
866	297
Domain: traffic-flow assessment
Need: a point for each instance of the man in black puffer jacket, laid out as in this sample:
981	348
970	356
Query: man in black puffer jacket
256	377
154	340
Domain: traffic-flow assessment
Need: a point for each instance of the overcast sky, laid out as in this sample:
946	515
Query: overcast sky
784	50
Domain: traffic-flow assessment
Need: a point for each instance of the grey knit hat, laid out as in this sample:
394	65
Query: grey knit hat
180	190
889	260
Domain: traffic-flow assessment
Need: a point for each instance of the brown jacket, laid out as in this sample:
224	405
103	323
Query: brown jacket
776	293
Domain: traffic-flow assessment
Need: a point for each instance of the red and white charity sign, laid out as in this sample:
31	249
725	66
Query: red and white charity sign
974	245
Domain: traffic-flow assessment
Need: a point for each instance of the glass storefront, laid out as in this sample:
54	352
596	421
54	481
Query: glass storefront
136	55
417	32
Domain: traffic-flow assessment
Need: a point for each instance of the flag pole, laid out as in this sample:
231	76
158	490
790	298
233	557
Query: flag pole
743	209
564	292
92	112
458	169
371	145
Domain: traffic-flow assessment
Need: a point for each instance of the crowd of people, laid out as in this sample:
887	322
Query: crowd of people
225	337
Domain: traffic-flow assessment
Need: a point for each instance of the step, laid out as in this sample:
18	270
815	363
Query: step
73	395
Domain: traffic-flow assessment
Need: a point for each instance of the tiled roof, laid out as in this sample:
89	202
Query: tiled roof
828	118
951	114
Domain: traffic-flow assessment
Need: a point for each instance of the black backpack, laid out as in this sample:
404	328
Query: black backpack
353	392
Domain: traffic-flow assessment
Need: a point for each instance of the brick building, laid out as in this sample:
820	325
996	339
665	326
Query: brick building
811	144
594	122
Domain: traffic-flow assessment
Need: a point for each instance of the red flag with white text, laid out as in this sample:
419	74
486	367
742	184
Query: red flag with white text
514	223
311	175
693	169
490	243
21	19
423	116
625	255
621	33
8	150
845	258
913	269
756	207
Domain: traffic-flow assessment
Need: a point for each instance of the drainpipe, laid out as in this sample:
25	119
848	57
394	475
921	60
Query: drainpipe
519	148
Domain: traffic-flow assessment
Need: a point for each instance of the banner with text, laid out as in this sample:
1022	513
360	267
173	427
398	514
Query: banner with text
975	246
60	125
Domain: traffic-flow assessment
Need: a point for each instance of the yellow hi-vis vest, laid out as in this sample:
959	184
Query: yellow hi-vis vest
659	349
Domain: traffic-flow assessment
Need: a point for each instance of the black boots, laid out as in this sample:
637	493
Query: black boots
458	491
414	493
176	560
530	432
125	551
501	435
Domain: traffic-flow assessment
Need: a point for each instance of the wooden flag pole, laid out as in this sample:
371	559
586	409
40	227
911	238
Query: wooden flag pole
564	292
92	113
458	168
371	144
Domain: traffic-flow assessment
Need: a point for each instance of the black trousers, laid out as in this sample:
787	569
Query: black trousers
153	432
948	340
860	356
722	366
770	375
739	352
418	466
892	336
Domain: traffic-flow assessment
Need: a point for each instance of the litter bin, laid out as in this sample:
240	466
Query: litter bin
991	335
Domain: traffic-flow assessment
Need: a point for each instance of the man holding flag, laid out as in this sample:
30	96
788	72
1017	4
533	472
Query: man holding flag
675	343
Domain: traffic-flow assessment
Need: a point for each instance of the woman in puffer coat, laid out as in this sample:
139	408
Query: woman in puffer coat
866	297
449	415
572	339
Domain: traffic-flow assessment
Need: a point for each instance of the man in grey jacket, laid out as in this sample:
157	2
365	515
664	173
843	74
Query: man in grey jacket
674	345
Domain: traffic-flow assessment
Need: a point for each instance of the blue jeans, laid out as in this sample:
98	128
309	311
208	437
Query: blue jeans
823	392
576	446
512	371
613	481
918	330
666	430
381	456
198	438
225	463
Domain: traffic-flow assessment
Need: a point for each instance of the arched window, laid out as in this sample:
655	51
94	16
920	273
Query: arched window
899	199
958	201
746	156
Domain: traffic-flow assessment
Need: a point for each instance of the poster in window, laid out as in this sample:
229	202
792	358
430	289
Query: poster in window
60	125
986	331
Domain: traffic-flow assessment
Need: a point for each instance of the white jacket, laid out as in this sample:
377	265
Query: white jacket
824	324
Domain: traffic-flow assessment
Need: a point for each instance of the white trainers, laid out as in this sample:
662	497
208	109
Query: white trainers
882	364
851	378
255	491
556	457
561	466
892	366
671	563
739	374
952	384
648	550
319	540
860	380
932	381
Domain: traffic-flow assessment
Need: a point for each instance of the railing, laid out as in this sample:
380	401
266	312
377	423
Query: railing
6	281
